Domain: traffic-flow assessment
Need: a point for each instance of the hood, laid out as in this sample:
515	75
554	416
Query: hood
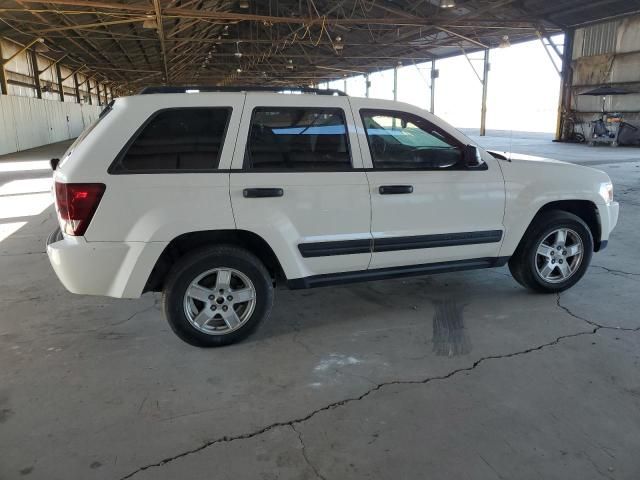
520	167
521	157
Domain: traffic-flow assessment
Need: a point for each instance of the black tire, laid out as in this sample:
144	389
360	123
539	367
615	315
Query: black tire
523	262
189	267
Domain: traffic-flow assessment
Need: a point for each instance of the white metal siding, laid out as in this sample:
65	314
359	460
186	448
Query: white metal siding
30	122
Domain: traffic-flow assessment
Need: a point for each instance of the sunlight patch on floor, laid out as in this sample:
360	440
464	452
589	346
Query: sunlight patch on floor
29	185
16	206
24	166
7	229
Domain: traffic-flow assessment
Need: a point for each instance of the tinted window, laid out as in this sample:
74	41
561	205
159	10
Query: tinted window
298	138
402	140
178	139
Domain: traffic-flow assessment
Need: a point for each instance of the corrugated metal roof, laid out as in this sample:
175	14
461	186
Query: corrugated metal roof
139	42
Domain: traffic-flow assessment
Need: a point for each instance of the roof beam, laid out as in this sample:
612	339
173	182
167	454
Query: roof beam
92	25
464	37
226	16
160	29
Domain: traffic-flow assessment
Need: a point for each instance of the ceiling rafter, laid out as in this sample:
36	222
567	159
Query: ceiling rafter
278	41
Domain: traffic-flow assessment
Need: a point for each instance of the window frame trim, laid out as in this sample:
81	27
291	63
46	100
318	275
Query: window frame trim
398	114
246	159
115	167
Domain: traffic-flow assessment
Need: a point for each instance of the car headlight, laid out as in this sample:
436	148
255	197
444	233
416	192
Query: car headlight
606	192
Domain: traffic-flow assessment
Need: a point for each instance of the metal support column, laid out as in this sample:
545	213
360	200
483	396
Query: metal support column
36	72
432	87
395	83
98	93
76	87
344	83
367	85
60	86
89	91
566	78
4	87
485	81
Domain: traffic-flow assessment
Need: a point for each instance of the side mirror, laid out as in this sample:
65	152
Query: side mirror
473	158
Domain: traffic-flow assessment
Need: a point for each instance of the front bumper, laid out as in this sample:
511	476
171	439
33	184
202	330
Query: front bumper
608	219
114	269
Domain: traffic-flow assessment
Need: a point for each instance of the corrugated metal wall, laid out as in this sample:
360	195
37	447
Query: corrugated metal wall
27	122
607	54
599	39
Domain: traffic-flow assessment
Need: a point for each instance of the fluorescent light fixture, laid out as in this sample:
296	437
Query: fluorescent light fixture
191	90
447	3
504	42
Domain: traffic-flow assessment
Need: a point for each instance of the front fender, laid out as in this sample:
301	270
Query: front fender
530	185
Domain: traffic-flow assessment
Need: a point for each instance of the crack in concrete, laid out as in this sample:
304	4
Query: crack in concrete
570	313
591	322
20	254
304	454
109	325
614	271
156	304
244	436
341	403
596	467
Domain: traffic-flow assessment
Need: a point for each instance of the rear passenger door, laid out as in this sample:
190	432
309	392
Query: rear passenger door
297	181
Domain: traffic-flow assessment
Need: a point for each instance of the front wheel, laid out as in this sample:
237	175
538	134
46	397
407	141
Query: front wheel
554	254
217	296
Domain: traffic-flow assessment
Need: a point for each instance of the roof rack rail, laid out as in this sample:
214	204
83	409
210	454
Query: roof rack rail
209	88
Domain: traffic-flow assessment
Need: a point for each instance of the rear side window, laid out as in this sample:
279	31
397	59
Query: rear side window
297	139
177	139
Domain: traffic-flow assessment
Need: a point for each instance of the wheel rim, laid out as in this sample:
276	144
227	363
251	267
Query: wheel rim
559	255
219	301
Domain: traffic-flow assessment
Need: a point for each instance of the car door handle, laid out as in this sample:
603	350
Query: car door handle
395	189
262	192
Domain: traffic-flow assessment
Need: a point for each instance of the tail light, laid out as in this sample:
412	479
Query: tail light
77	202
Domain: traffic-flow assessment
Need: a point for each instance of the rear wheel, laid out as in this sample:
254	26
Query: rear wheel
554	254
217	296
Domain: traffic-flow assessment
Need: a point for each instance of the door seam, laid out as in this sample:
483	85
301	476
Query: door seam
233	156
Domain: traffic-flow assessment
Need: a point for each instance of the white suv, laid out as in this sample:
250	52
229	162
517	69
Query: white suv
214	196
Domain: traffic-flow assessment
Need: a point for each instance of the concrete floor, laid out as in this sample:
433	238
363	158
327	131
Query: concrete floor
453	376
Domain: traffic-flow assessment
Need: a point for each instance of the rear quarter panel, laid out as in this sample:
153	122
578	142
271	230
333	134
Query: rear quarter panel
157	206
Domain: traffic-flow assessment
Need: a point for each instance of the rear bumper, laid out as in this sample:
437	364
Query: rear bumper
114	269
